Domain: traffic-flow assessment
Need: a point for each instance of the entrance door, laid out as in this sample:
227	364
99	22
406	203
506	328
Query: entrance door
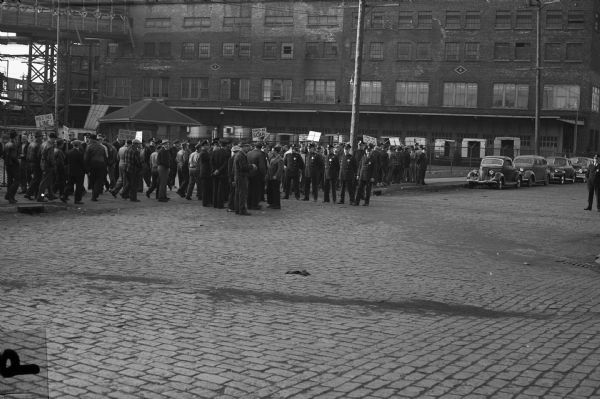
474	149
568	138
507	148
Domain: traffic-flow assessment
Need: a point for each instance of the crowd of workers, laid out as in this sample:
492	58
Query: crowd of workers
236	177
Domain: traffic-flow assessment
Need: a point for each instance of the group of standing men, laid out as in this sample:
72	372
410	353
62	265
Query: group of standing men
241	176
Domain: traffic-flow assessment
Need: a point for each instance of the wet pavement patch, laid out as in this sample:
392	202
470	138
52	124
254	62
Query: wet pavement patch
124	279
415	306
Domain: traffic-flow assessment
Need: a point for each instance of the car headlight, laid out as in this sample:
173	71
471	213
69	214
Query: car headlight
492	173
520	169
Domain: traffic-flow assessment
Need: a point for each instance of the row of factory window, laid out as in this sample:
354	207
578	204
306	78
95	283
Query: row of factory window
455	94
374	51
236	15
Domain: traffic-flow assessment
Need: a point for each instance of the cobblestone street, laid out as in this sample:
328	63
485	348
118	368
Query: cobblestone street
454	294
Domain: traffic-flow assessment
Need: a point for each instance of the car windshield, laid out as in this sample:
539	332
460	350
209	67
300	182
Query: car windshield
492	162
523	161
557	161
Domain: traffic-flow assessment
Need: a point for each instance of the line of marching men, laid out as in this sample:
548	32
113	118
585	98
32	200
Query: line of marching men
240	176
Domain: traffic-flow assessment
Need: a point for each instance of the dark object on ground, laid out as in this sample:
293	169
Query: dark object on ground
31	209
300	272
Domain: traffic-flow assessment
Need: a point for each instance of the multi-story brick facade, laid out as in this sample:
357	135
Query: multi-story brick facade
431	69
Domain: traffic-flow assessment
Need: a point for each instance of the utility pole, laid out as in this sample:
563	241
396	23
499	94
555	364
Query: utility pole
356	79
57	55
538	73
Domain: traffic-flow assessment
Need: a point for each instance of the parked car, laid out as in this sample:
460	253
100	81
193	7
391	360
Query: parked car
497	171
534	169
561	170
580	164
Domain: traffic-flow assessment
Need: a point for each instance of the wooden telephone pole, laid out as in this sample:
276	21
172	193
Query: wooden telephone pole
356	78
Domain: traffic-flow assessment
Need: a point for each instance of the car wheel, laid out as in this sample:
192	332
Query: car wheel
562	180
519	182
500	184
531	181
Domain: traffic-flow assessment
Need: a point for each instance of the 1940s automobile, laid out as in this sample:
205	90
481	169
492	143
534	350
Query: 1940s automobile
561	170
495	171
533	168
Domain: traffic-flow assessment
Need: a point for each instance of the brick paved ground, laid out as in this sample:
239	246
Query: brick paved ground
456	294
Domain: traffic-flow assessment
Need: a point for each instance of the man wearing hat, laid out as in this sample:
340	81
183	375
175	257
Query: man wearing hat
274	175
593	183
348	171
173	150
11	165
205	175
366	176
48	165
75	172
183	169
256	179
241	169
163	161
231	178
313	172
293	165
332	172
219	158
421	165
33	166
122	179
133	167
95	158
194	173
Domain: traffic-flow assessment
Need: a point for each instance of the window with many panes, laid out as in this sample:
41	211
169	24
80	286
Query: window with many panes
279	16
376	51
319	91
194	88
235	89
196	22
510	95
328	18
502	51
523	51
203	50
553	51
473	20
377	20
159	23
321	50
471	51
423	51
117	87
424	20
451	51
287	51
188	50
452	19
412	93
237	15
463	95
575	19
524	19
561	97
554	19
270	50
503	19
405	20
277	90
549	141
244	50
228	49
404	51
574	52
595	99
370	92
156	87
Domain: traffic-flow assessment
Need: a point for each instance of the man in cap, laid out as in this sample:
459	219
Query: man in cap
11	165
332	172
183	171
48	165
313	172
219	158
163	161
241	169
231	178
366	176
121	162
593	183
348	171
274	175
421	162
256	179
194	173
205	175
133	167
95	158
75	172
293	165
33	159
153	162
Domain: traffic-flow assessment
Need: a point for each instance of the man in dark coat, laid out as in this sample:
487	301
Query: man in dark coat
593	183
274	175
366	176
293	165
313	172
219	157
256	179
33	164
348	171
422	161
241	169
133	168
48	166
205	175
75	172
231	179
332	172
11	164
95	158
